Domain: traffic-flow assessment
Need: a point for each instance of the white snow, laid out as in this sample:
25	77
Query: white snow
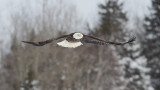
63	77
34	82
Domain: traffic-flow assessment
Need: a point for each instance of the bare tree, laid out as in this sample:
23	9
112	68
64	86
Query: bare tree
51	67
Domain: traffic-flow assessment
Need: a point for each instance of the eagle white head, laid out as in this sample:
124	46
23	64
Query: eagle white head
78	35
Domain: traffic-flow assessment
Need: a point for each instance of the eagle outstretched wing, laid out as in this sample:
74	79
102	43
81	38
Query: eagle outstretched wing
42	43
91	39
39	43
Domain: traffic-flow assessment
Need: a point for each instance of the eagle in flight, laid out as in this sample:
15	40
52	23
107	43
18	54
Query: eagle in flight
74	40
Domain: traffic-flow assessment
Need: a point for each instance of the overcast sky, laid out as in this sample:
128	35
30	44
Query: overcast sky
87	10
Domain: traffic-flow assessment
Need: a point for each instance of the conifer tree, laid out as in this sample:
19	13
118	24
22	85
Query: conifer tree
112	19
112	26
151	43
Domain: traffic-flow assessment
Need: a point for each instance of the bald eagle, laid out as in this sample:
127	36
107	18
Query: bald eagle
74	40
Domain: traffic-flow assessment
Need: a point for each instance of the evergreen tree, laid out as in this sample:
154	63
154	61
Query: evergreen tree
113	20
151	44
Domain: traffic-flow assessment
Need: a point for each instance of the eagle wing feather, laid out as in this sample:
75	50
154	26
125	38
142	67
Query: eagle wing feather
91	39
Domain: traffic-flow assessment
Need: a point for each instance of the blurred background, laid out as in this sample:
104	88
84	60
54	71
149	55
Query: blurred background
89	67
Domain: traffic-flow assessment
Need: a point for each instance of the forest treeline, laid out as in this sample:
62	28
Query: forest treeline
134	66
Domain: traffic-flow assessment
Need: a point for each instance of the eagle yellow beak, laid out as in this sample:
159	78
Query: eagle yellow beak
79	35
